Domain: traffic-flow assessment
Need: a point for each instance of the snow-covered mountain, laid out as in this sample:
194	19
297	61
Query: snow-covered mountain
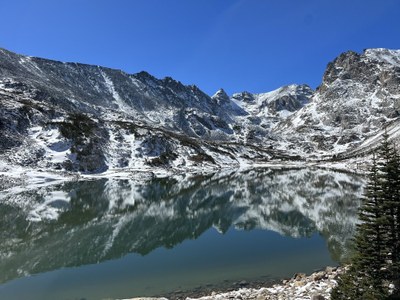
86	222
359	96
76	117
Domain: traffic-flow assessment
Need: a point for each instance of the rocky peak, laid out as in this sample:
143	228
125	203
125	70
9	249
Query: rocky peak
173	84
221	96
290	98
345	66
144	76
387	56
198	92
359	94
374	70
244	97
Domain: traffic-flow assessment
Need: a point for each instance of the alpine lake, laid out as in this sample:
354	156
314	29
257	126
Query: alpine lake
121	238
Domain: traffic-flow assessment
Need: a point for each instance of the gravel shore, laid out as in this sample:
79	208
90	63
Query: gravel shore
316	286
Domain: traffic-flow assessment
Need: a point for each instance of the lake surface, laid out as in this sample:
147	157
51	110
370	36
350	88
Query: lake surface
114	238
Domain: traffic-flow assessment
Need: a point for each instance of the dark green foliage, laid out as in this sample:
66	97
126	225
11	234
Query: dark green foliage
130	126
360	286
355	285
377	254
390	181
164	159
88	137
78	126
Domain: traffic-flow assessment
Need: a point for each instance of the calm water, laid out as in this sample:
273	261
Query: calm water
108	239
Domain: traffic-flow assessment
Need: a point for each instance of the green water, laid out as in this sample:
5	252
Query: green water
108	239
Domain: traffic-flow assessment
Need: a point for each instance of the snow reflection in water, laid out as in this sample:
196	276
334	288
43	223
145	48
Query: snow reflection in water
156	236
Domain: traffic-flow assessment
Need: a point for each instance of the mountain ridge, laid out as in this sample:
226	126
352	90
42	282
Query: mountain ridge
89	119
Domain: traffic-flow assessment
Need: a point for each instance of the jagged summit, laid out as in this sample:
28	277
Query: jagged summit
221	96
388	56
291	97
284	100
358	97
77	117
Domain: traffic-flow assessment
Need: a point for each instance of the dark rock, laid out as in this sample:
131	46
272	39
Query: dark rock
299	276
317	297
243	283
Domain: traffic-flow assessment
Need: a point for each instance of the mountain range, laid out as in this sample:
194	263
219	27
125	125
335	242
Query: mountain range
77	118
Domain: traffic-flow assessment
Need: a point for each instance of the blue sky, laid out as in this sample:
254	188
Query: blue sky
239	45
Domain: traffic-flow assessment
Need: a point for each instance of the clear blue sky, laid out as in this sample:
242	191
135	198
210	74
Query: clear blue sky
252	45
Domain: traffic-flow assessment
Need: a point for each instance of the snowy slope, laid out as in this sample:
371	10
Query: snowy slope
81	118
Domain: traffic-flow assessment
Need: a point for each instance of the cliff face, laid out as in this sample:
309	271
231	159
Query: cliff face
358	97
75	117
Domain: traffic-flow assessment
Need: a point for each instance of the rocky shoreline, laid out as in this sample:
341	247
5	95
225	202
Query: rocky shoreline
317	286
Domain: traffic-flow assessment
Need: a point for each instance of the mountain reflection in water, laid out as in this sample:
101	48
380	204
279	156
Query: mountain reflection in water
86	222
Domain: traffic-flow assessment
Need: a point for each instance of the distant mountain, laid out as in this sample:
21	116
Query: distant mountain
75	117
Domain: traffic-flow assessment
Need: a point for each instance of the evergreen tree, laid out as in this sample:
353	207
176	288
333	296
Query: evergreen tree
364	279
353	285
376	261
389	167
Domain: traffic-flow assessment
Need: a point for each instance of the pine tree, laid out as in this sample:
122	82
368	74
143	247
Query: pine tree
365	277
353	286
370	255
396	204
389	167
377	241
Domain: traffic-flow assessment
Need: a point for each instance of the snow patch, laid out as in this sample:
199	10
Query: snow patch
54	203
388	56
56	147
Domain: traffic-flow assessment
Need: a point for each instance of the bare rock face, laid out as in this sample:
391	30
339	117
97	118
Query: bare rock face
359	79
347	66
221	97
359	96
378	70
292	98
